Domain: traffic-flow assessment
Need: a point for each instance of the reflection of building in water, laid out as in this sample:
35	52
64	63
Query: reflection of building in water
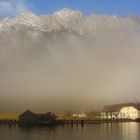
121	111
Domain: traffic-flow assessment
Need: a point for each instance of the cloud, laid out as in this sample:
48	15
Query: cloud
12	8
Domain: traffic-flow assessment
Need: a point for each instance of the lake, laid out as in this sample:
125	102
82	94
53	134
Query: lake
99	131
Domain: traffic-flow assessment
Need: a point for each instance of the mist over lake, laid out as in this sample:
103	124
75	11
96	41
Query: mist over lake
68	60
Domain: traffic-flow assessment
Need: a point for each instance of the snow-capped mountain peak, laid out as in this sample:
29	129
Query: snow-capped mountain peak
26	16
69	15
70	20
29	19
68	12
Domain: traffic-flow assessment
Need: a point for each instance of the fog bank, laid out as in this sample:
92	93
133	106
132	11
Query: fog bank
68	61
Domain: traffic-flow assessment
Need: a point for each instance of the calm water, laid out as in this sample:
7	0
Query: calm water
114	131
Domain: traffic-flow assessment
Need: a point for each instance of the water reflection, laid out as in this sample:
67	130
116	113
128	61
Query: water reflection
104	131
121	131
130	131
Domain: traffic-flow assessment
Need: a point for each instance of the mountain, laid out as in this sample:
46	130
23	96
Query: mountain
71	21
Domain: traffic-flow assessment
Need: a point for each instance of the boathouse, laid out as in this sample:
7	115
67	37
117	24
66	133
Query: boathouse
29	117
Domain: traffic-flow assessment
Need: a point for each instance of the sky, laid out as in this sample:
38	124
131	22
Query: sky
10	8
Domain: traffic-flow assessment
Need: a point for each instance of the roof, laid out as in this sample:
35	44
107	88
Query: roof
118	107
27	112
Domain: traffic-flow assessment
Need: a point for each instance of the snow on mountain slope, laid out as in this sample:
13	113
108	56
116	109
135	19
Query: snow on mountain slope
27	19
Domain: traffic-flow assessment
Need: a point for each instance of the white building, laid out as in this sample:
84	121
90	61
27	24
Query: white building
121	111
82	114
